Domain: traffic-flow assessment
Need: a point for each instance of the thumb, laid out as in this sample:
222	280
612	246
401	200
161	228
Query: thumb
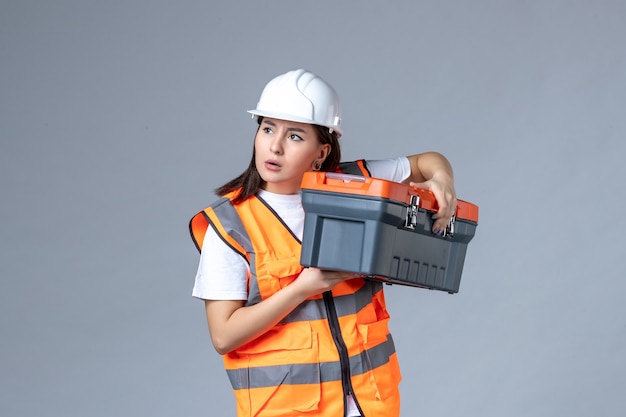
423	185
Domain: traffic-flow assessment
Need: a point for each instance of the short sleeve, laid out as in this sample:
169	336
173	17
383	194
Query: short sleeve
396	169
222	272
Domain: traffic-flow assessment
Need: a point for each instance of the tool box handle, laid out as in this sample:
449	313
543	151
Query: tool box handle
346	178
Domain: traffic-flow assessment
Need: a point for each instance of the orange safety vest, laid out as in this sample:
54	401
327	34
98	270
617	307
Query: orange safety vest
332	345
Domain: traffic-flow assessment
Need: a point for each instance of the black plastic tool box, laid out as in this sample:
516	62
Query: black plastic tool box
382	229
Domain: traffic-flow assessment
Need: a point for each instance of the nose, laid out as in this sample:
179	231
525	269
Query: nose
276	146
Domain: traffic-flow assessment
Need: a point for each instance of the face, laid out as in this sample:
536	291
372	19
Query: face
284	151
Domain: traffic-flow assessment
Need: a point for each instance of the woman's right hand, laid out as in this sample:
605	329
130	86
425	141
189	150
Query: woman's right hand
313	281
232	324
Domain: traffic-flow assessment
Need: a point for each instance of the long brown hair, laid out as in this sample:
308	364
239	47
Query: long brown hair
250	182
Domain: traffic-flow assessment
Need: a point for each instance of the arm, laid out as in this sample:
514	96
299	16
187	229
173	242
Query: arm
432	171
232	324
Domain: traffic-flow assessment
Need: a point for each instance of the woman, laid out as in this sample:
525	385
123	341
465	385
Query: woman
299	341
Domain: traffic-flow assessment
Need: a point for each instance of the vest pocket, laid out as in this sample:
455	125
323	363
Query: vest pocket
283	371
275	274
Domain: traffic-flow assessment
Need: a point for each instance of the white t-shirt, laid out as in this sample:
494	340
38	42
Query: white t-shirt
222	272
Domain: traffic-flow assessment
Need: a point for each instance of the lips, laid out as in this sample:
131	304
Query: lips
272	165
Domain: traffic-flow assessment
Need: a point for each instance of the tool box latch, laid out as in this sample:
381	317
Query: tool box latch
411	212
449	231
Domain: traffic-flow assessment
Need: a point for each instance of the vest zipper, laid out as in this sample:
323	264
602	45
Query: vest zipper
344	360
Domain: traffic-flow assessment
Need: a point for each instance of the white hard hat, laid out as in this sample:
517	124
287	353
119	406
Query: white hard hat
300	96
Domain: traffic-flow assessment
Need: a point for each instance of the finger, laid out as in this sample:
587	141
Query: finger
443	219
446	211
341	275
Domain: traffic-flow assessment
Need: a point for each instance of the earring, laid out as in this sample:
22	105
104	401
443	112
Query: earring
317	165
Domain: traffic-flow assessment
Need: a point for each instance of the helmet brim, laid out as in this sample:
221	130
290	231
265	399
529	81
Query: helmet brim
291	118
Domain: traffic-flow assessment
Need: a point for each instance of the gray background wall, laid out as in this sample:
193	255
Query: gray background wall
117	119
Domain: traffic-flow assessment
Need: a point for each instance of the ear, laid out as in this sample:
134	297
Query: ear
323	151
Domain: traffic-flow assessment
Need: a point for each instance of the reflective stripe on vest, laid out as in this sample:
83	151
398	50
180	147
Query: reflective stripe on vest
262	376
314	309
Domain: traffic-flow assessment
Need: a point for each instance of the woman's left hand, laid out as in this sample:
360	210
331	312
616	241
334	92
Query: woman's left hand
443	190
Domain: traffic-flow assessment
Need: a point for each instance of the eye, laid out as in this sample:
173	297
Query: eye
295	137
267	130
